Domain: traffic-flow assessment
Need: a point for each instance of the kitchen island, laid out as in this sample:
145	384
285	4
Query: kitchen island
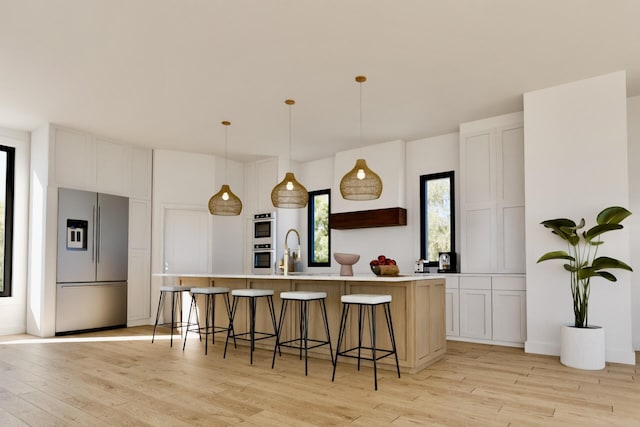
417	308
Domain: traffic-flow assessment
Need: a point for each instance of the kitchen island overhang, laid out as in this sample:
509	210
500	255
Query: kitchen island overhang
417	307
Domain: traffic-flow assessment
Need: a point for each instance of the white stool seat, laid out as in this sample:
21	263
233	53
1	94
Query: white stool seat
173	289
303	295
252	292
365	299
210	290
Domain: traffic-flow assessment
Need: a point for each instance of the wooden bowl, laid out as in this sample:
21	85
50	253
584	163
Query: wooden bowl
385	270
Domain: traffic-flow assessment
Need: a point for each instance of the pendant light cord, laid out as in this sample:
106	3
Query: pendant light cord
360	83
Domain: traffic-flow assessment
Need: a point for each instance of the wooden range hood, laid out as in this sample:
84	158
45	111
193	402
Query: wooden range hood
388	217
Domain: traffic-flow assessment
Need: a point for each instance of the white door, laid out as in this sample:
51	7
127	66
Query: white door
187	237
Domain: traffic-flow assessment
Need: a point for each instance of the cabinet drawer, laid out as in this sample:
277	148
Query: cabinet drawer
508	283
475	282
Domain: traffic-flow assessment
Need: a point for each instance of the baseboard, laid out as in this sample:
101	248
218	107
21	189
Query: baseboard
549	349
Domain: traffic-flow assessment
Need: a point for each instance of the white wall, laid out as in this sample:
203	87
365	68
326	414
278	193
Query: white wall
388	161
184	182
575	165
633	129
13	309
427	156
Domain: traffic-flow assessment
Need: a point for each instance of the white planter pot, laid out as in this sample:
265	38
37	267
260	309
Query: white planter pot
582	348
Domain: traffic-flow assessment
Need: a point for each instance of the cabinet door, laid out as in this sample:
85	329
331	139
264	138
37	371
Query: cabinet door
509	316
475	313
510	200
140	173
74	159
111	167
478	202
267	176
139	286
452	310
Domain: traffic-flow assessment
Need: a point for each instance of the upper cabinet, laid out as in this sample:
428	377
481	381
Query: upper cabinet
88	162
74	158
492	195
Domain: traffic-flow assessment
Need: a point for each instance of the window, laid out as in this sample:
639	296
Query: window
7	167
318	224
437	214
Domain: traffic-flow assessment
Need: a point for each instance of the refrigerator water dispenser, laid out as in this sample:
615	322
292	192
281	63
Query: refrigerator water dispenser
77	234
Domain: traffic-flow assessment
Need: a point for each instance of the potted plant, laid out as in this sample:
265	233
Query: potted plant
582	345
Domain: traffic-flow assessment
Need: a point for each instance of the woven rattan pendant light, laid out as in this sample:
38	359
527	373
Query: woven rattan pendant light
224	202
361	183
289	193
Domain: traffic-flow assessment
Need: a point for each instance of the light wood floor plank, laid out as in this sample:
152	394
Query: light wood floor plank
119	378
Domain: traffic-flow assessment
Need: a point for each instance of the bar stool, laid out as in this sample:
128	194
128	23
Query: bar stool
362	301
303	298
252	295
210	313
176	297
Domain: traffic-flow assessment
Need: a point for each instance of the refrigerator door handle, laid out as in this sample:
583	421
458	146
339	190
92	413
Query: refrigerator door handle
93	243
98	232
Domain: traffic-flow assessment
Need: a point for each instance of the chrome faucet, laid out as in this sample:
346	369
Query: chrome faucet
287	251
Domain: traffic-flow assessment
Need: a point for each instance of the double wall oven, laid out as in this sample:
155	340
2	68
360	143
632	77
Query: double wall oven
264	243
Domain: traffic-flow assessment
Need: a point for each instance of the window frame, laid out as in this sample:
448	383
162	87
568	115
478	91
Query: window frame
8	221
452	205
310	228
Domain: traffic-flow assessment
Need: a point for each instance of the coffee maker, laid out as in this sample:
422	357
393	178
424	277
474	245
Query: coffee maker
447	262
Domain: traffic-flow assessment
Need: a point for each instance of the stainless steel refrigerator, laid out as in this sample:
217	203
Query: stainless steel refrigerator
93	233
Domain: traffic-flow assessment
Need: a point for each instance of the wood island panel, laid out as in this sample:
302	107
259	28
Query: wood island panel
417	309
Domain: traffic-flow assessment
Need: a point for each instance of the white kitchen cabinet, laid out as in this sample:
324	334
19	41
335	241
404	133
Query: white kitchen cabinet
475	307
492	195
509	309
74	159
138	287
140	160
452	306
267	178
111	167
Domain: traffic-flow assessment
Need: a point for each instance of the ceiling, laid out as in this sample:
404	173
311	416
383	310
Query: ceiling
165	73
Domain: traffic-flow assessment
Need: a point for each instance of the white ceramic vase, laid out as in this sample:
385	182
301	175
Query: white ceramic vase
582	348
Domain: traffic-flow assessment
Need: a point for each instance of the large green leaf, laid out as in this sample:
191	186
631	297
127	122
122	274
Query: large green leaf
563	227
556	255
612	215
603	262
599	229
610	277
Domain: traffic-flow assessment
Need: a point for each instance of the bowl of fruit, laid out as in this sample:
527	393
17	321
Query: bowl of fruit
383	266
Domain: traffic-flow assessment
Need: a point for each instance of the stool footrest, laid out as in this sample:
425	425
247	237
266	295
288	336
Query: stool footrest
263	336
384	352
300	345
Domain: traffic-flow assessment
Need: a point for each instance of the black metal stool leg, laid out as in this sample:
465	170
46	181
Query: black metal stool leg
323	310
343	324
193	303
272	312
392	335
283	311
305	324
160	301
230	330
360	327
173	314
373	346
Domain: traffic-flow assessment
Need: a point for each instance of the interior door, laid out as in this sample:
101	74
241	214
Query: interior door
187	240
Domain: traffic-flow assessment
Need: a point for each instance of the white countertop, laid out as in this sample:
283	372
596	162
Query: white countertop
306	276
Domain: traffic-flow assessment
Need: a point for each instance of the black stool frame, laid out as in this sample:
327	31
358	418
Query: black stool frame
303	323
252	325
210	317
375	356
173	324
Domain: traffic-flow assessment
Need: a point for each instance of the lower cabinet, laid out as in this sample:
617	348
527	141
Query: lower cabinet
452	307
475	307
486	308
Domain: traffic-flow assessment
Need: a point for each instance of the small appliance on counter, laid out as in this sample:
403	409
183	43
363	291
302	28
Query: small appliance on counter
421	266
447	262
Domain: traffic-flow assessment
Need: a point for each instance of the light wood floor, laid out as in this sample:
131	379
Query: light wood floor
123	379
